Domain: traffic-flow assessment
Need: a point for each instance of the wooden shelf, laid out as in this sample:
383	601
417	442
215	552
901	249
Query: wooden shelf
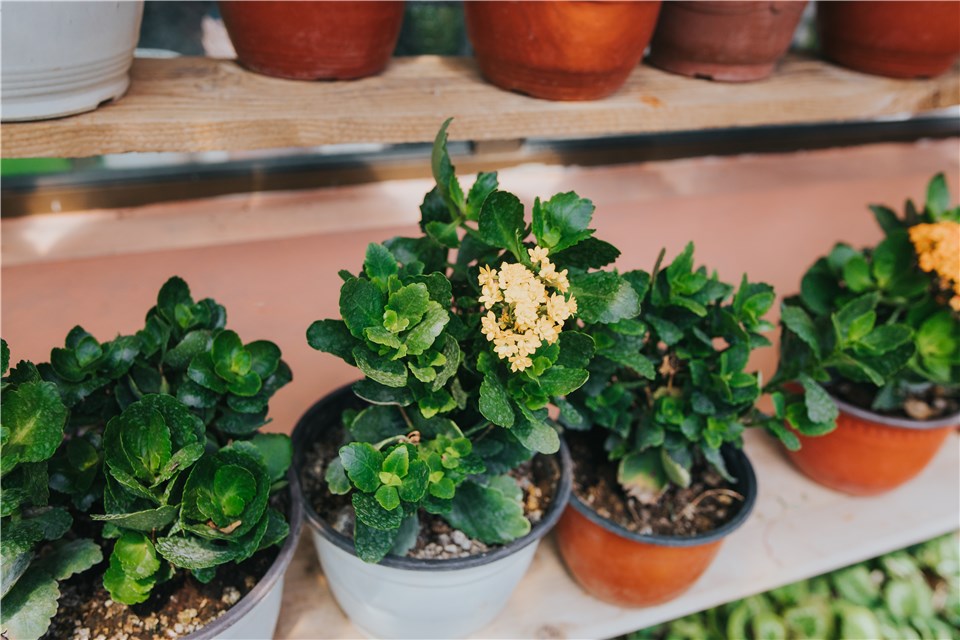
798	530
201	104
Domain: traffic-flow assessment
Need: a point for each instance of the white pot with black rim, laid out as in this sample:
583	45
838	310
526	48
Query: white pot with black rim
631	569
62	58
404	597
255	615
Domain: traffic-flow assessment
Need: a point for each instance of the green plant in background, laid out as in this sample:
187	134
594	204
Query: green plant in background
154	435
31	430
671	385
880	325
464	335
912	594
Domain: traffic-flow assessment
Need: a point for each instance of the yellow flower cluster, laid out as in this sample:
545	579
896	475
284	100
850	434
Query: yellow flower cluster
938	251
522	313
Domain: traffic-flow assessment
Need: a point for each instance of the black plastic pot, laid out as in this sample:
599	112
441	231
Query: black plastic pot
408	597
633	569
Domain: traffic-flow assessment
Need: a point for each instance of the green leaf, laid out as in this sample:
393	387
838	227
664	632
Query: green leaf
387	372
501	222
938	196
938	336
562	221
361	305
4	357
422	336
642	476
886	218
372	545
397	461
576	350
376	393
589	253
276	451
336	477
443	172
821	408
33	419
856	273
855	319
371	513
483	186
69	558
536	435
191	552
362	463
234	487
195	342
264	357
884	338
202	372
136	555
147	520
604	297
30	606
561	381
797	321
408	304
380	264
492	514
414	485
124	588
494	401
388	497
332	336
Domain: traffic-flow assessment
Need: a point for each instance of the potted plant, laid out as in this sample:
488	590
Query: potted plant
314	40
161	466
559	50
430	481
66	58
874	332
896	39
655	435
725	41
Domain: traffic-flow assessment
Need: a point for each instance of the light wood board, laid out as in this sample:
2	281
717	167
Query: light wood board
199	104
797	530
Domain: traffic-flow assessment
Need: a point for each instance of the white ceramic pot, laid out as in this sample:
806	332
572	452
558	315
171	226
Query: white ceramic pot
255	616
409	598
61	58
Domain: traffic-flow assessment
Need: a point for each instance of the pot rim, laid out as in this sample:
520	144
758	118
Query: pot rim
537	531
746	476
951	420
275	573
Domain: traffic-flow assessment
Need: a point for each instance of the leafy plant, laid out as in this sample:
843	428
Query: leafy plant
154	435
879	326
33	419
464	336
914	593
670	385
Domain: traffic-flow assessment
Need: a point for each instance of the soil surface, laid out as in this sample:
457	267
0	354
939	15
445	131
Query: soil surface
929	403
437	540
708	503
175	608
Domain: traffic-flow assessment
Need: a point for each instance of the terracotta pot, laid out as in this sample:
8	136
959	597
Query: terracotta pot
868	453
727	41
314	40
633	570
560	50
896	39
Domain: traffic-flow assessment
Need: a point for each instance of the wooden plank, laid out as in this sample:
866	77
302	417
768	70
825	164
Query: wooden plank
798	530
197	104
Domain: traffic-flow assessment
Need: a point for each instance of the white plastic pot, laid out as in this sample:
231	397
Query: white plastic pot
61	58
255	616
409	598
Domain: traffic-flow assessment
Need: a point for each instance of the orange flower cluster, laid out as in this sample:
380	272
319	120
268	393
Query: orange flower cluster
938	251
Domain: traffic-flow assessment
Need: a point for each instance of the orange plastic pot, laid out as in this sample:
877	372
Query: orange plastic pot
869	454
913	39
634	570
561	50
314	40
726	41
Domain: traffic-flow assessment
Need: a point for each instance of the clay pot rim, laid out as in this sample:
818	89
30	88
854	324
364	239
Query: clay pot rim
275	573
746	478
308	423
726	7
951	420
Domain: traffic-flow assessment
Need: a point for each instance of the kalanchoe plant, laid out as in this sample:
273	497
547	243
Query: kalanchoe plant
879	327
464	336
671	386
33	419
161	448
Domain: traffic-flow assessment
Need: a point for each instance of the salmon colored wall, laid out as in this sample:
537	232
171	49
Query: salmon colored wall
769	216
